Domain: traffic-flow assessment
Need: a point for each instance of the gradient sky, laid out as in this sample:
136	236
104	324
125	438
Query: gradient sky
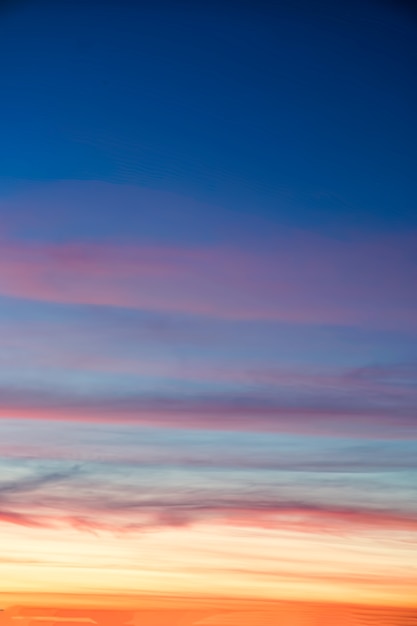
208	303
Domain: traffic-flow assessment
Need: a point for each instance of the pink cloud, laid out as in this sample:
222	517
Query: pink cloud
129	516
20	519
304	279
89	503
40	344
324	520
249	413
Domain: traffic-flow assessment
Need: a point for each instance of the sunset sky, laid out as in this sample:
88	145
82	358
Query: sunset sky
208	307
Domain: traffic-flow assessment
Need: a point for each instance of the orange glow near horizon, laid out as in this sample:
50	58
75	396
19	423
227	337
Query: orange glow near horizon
176	611
229	561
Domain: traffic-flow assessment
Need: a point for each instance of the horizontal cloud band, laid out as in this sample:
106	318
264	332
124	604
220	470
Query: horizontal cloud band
303	279
222	412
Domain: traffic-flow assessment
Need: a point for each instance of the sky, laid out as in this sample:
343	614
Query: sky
208	310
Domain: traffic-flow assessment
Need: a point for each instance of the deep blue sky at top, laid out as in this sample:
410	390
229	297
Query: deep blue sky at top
304	112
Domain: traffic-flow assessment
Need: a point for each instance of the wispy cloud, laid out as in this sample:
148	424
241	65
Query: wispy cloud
313	414
119	508
28	484
94	499
325	282
20	519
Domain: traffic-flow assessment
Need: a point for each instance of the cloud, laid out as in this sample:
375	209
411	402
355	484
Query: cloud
94	501
28	484
303	279
227	412
20	519
69	346
11	492
118	509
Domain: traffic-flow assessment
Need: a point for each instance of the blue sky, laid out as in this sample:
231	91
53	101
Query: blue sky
305	112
